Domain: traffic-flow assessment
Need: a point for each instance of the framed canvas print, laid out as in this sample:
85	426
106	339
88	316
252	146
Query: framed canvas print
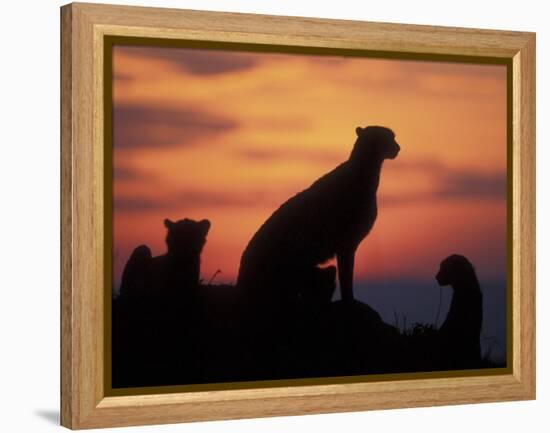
266	215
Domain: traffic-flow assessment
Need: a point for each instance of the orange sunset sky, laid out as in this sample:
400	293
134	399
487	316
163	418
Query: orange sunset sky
229	136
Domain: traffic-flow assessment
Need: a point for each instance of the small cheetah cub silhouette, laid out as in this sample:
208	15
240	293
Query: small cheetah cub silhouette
172	272
328	219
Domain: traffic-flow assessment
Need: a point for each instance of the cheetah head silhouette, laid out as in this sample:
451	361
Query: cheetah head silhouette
186	237
374	142
455	270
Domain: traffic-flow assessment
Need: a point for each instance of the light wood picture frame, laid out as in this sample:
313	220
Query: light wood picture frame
85	400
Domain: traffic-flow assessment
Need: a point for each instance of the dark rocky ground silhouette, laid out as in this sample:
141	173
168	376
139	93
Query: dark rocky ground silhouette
214	337
279	320
209	333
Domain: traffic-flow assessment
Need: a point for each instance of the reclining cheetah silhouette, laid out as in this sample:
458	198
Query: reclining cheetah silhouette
330	218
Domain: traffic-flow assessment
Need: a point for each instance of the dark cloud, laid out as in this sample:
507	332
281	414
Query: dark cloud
218	199
450	183
189	199
136	126
430	165
288	123
417	68
417	74
404	199
137	204
263	154
329	60
121	76
123	173
197	61
470	70
428	78
470	184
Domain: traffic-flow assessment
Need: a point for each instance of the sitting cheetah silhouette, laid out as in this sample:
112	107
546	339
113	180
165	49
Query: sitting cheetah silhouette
156	315
167	274
330	218
459	335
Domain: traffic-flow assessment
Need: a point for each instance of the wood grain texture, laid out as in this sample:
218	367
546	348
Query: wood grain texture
67	388
525	224
83	400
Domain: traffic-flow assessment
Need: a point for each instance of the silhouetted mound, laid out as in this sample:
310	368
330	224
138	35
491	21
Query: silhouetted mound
192	339
361	343
218	339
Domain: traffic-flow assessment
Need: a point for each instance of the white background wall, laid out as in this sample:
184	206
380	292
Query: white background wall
29	231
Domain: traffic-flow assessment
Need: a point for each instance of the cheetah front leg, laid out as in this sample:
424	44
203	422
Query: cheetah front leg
345	260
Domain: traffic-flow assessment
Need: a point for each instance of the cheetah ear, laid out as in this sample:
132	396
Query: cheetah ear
204	226
358	131
168	224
